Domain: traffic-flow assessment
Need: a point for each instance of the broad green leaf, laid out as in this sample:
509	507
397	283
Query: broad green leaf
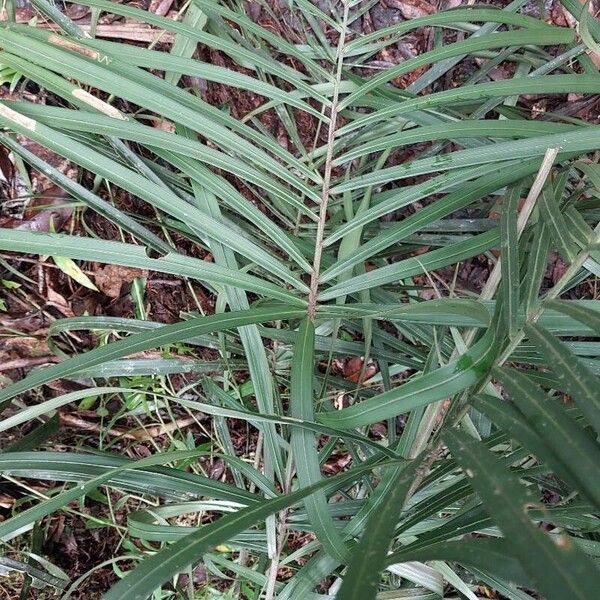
458	130
584	29
493	556
576	142
132	181
432	260
82	194
459	15
537	261
403	197
258	364
555	222
508	418
141	57
49	10
454	201
132	84
244	55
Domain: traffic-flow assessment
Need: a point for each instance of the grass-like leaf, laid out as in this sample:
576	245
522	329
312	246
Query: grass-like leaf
557	566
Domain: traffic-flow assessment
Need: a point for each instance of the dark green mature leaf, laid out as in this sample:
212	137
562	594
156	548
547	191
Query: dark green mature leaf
369	556
8	527
507	417
555	222
509	258
262	170
419	391
432	260
117	253
569	441
151	339
304	442
494	556
506	39
497	89
574	377
172	484
80	193
578	312
556	565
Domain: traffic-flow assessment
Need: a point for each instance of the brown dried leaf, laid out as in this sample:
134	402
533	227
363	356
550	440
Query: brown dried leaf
353	370
58	301
110	278
412	9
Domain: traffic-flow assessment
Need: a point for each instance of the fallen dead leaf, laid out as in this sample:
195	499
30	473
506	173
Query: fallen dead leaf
24	352
561	16
412	9
353	370
110	278
164	125
55	299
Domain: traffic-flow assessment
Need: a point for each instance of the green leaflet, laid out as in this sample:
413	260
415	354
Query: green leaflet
131	255
234	159
303	442
554	84
580	313
169	334
419	391
368	558
574	376
162	566
558	568
91	471
435	259
496	40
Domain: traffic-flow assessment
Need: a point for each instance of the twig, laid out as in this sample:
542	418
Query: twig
139	435
133	32
32	361
164	7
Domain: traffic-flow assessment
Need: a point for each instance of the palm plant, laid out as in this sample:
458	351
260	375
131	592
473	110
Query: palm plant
307	248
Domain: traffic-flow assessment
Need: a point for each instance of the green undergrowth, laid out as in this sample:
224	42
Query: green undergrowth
468	430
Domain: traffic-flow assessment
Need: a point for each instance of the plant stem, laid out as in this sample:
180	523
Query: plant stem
333	118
